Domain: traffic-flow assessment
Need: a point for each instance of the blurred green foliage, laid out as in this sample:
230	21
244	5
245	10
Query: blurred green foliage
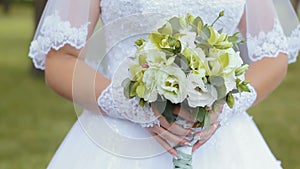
34	120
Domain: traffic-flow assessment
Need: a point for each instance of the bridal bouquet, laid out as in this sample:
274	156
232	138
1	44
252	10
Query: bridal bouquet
190	63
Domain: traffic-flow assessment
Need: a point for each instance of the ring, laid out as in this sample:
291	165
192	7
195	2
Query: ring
215	125
197	138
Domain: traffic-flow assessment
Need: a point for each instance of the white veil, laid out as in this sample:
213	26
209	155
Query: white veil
271	27
63	22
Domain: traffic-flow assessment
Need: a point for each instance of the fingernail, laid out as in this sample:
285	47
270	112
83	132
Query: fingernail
188	144
175	157
197	137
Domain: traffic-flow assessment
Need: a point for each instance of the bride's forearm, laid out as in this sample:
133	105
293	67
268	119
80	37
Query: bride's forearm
265	75
73	79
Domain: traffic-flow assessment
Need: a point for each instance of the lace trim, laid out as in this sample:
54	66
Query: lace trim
116	105
294	44
268	44
243	102
55	33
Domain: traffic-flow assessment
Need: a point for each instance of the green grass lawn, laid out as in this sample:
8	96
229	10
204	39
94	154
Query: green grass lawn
34	120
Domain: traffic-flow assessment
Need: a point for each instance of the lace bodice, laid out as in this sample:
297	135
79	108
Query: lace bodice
112	10
208	10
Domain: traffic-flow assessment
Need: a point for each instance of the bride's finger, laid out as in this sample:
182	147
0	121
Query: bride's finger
164	144
179	130
204	135
214	117
174	128
181	112
169	136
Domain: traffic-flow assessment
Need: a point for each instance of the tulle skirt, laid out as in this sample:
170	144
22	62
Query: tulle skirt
96	142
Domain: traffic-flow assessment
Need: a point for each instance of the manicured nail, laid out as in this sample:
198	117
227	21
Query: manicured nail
188	144
175	157
197	137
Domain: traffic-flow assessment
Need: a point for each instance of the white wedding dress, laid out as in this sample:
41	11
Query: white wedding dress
98	142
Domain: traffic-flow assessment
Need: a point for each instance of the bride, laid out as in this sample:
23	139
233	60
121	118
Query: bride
85	72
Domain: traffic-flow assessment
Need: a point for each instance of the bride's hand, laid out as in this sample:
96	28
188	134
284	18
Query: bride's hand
204	135
171	134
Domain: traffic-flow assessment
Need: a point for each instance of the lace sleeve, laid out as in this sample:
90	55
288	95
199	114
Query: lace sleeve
116	105
243	101
63	22
270	28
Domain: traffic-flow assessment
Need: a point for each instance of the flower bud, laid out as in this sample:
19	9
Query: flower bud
239	71
230	100
139	42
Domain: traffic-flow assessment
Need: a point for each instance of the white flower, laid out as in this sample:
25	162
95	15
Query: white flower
196	60
188	38
171	84
224	61
155	58
149	79
200	94
230	82
148	45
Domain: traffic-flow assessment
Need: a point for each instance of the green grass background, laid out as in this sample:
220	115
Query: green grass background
34	120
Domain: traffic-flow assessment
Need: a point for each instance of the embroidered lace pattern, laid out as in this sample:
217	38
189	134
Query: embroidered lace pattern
243	101
115	104
55	33
293	42
268	44
114	9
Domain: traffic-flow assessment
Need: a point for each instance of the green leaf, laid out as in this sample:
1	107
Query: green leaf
237	81
175	24
183	63
142	102
182	22
189	19
140	90
205	34
216	81
166	29
220	31
168	113
168	51
160	104
133	88
219	83
230	100
198	24
200	116
207	120
126	85
233	39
